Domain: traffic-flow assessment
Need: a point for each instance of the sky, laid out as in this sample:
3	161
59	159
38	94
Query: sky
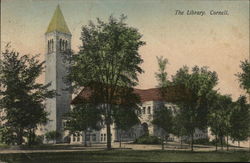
217	41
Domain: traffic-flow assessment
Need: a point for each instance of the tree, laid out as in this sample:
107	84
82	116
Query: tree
21	97
244	79
108	60
219	118
52	135
163	118
194	106
161	75
125	119
244	76
178	128
83	117
240	120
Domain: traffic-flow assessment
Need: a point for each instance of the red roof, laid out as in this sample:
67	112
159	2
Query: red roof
152	94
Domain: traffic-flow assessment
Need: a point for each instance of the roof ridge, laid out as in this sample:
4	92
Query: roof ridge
58	22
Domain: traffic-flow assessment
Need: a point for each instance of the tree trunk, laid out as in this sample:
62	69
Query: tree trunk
120	139
249	143
85	140
90	139
108	123
20	137
29	137
216	140
162	142
181	142
221	142
108	136
192	142
227	144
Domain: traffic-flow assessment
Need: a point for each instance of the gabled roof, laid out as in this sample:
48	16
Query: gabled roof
58	23
152	94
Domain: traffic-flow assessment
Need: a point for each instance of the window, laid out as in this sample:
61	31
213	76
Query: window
66	45
101	137
52	45
87	137
63	45
104	139
78	138
144	110
60	44
48	47
149	110
74	138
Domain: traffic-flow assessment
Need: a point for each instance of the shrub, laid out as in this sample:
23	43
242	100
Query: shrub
204	141
39	140
146	139
52	135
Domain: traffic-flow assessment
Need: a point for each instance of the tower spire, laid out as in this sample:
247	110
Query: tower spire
58	23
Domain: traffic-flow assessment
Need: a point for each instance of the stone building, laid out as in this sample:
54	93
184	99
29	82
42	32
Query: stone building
150	102
57	41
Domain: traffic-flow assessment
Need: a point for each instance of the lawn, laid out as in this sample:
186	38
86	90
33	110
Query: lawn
128	156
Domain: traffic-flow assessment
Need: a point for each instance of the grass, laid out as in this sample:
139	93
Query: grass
129	156
4	146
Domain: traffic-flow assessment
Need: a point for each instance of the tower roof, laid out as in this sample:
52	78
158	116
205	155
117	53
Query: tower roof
58	23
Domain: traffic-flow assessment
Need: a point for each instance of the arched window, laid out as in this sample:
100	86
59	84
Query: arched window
52	45
66	45
149	110
60	44
48	47
63	45
144	110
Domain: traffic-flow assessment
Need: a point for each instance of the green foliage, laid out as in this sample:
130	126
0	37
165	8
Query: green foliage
147	139
194	106
163	118
39	140
108	55
108	62
4	146
125	118
83	117
240	120
219	116
244	76
52	135
204	141
161	75
178	127
7	136
21	98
